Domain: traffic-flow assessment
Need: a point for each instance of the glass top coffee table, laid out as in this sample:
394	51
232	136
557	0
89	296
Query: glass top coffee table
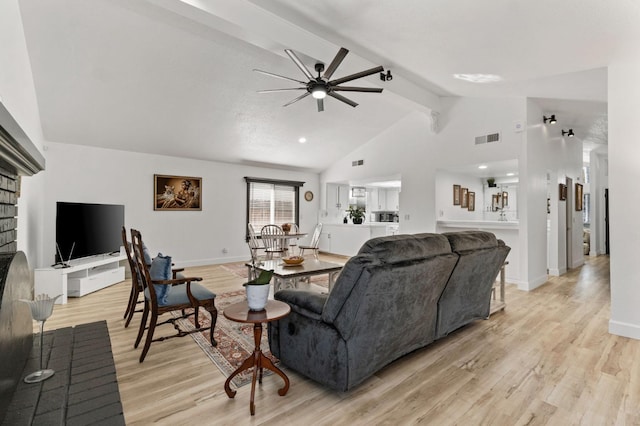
289	276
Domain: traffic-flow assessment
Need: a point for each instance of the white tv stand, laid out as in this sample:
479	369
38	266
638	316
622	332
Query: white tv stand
83	276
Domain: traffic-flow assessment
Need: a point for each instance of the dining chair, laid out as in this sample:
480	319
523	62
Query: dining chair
273	238
293	242
254	243
315	242
182	294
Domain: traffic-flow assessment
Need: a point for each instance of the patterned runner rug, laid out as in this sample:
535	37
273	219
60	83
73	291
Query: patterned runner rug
235	340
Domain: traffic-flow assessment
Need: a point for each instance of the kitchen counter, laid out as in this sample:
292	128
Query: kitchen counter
346	238
479	224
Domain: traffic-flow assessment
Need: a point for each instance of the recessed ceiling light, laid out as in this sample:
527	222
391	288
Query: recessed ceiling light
302	140
483	166
510	174
478	78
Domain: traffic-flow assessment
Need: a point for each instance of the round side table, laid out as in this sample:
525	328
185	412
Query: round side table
240	312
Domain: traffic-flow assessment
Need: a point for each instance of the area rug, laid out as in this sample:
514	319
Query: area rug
235	340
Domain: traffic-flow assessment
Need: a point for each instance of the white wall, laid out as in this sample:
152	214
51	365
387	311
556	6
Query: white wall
624	175
17	93
94	175
444	196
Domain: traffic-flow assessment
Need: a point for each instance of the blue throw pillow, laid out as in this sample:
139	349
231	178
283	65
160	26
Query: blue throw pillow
161	270
146	254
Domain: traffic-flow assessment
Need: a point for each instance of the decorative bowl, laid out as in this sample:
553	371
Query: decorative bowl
293	260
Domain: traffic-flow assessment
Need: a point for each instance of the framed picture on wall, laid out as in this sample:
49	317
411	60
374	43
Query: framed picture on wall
472	201
463	197
456	195
177	192
562	191
578	197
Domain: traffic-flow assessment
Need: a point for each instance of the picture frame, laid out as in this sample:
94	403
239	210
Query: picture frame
496	202
562	191
456	195
505	198
578	197
171	193
472	201
464	192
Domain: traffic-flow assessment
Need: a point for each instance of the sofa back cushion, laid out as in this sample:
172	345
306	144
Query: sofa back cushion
388	282
467	295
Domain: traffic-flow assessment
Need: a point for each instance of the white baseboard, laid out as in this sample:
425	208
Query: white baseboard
533	284
624	329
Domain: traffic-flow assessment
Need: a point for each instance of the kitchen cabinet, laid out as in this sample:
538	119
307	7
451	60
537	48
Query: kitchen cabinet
392	201
324	244
376	199
337	196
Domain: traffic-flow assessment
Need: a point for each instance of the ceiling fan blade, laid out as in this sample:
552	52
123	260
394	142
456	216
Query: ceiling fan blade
357	75
281	90
279	76
335	63
343	99
320	105
299	63
357	89
304	95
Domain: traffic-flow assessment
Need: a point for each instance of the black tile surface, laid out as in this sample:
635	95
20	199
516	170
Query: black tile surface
83	390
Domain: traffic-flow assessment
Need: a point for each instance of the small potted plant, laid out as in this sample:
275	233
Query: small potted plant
491	182
258	291
356	214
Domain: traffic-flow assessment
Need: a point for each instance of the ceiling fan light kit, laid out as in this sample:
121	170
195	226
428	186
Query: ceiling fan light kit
322	86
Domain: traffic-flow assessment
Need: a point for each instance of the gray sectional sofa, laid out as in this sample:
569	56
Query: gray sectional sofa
398	294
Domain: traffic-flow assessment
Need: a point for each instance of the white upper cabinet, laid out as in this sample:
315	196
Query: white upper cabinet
392	199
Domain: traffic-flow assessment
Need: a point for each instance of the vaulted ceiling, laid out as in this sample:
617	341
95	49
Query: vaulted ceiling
174	77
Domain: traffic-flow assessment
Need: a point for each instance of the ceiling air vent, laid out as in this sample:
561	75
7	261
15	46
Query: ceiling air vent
357	163
492	137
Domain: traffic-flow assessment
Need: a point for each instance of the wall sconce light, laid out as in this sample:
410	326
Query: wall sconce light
568	133
551	119
387	76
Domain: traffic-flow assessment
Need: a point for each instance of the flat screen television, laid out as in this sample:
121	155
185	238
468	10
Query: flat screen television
89	229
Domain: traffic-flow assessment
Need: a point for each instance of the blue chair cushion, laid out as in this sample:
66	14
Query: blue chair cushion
147	254
161	270
178	295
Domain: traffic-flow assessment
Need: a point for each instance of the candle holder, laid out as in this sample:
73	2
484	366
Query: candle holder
41	310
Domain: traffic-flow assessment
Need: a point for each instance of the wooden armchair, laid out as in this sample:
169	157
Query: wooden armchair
184	293
136	287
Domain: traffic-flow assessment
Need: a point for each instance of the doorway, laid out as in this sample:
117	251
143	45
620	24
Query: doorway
569	221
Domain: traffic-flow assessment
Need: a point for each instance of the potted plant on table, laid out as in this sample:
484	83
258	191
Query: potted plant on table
258	291
356	214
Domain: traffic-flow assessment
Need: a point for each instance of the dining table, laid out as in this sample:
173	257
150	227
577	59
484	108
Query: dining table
284	238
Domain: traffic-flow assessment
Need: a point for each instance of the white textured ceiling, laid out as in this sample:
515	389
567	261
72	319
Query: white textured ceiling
175	77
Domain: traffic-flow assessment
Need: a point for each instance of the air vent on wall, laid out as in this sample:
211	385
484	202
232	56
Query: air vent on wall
492	137
357	163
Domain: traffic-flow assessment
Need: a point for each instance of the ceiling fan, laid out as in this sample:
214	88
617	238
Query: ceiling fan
322	86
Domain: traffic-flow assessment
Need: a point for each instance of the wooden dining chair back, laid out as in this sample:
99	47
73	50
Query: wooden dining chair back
273	239
293	241
182	294
254	243
314	244
136	288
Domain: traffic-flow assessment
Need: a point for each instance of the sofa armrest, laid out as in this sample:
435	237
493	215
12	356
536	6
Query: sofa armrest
307	303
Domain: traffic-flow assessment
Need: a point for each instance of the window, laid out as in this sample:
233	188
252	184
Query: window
272	202
586	201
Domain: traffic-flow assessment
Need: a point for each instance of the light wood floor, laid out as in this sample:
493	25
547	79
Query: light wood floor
548	359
